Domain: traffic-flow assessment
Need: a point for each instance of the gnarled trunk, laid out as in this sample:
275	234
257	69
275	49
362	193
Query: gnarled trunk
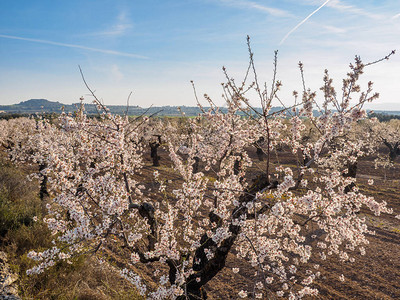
351	172
43	182
205	269
154	151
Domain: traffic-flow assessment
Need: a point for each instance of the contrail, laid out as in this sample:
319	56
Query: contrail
112	52
302	22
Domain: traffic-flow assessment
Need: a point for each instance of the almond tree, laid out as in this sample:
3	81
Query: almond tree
21	137
388	133
15	132
99	204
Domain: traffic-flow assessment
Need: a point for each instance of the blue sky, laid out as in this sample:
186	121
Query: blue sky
154	48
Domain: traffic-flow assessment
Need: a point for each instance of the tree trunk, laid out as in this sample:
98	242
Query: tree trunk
43	182
154	153
394	150
351	172
205	269
259	151
196	165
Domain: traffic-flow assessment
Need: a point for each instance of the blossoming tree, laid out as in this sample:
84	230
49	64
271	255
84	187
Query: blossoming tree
188	228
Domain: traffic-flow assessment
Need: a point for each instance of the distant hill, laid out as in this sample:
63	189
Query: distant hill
387	112
34	106
39	103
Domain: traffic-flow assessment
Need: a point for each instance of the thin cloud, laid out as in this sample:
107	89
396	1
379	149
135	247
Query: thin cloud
254	5
121	26
347	8
341	6
105	51
335	29
396	16
116	73
302	22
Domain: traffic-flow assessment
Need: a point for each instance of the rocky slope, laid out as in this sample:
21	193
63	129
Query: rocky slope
8	287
